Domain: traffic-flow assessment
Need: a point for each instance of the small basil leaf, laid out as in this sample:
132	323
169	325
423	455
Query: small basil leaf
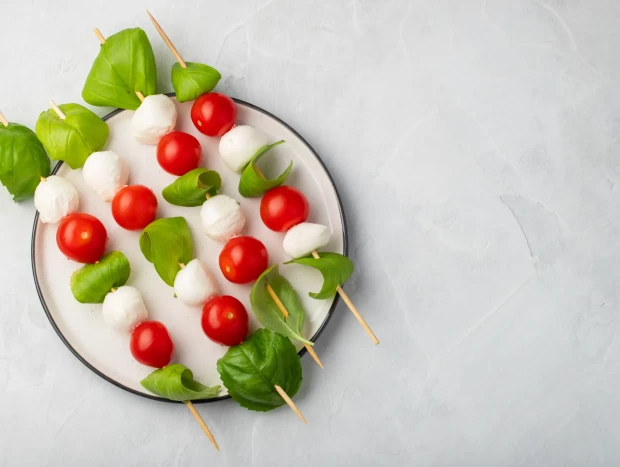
250	370
76	137
268	313
193	81
125	64
335	269
253	183
192	188
22	161
166	243
176	382
92	282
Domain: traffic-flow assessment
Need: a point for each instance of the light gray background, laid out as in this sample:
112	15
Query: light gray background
475	145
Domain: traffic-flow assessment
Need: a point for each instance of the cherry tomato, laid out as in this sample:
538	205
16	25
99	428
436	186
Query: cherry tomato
214	114
283	207
225	320
243	259
150	344
134	207
178	153
81	237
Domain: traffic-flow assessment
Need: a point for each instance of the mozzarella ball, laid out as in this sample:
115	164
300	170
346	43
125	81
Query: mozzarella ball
124	308
55	198
304	238
194	285
222	218
238	146
106	173
156	116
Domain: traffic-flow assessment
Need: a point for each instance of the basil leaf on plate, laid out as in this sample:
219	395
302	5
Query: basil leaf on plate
193	81
125	64
92	282
176	382
76	137
22	160
268	313
192	188
252	182
335	269
166	243
250	370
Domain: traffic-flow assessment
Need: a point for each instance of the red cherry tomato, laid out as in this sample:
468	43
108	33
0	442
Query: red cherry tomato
214	114
243	259
283	207
225	320
81	237
150	344
134	207
178	153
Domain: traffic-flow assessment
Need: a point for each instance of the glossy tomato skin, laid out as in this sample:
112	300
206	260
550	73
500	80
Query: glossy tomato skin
82	237
134	207
178	153
214	114
151	345
283	207
225	320
243	259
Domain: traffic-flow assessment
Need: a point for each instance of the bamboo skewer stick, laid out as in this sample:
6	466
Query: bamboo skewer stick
290	402
3	120
59	112
167	40
202	423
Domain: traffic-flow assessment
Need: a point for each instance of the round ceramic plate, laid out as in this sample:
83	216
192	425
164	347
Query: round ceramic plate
106	351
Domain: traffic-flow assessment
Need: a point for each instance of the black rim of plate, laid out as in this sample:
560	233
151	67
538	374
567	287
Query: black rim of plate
302	352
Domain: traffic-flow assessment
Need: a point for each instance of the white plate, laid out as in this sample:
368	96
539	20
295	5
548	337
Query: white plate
105	351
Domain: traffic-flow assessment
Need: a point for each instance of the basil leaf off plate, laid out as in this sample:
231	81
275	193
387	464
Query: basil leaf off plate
194	81
252	183
192	188
176	382
335	269
250	370
22	160
92	282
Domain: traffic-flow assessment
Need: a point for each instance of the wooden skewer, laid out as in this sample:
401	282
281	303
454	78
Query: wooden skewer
353	309
167	40
56	109
284	312
3	120
102	40
290	402
202	423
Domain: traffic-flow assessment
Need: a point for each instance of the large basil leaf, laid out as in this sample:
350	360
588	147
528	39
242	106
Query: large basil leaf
74	138
92	282
125	64
193	81
252	183
192	188
251	369
335	268
176	382
22	160
166	243
268	313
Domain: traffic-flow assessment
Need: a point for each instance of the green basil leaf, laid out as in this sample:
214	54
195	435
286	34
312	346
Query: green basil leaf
250	370
252	183
125	64
335	268
166	243
76	137
268	313
192	188
193	81
176	382
22	160
92	282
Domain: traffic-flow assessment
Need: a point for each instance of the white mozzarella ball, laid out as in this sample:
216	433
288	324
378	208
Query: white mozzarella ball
222	218
304	238
156	116
55	198
194	285
106	173
124	308
238	146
